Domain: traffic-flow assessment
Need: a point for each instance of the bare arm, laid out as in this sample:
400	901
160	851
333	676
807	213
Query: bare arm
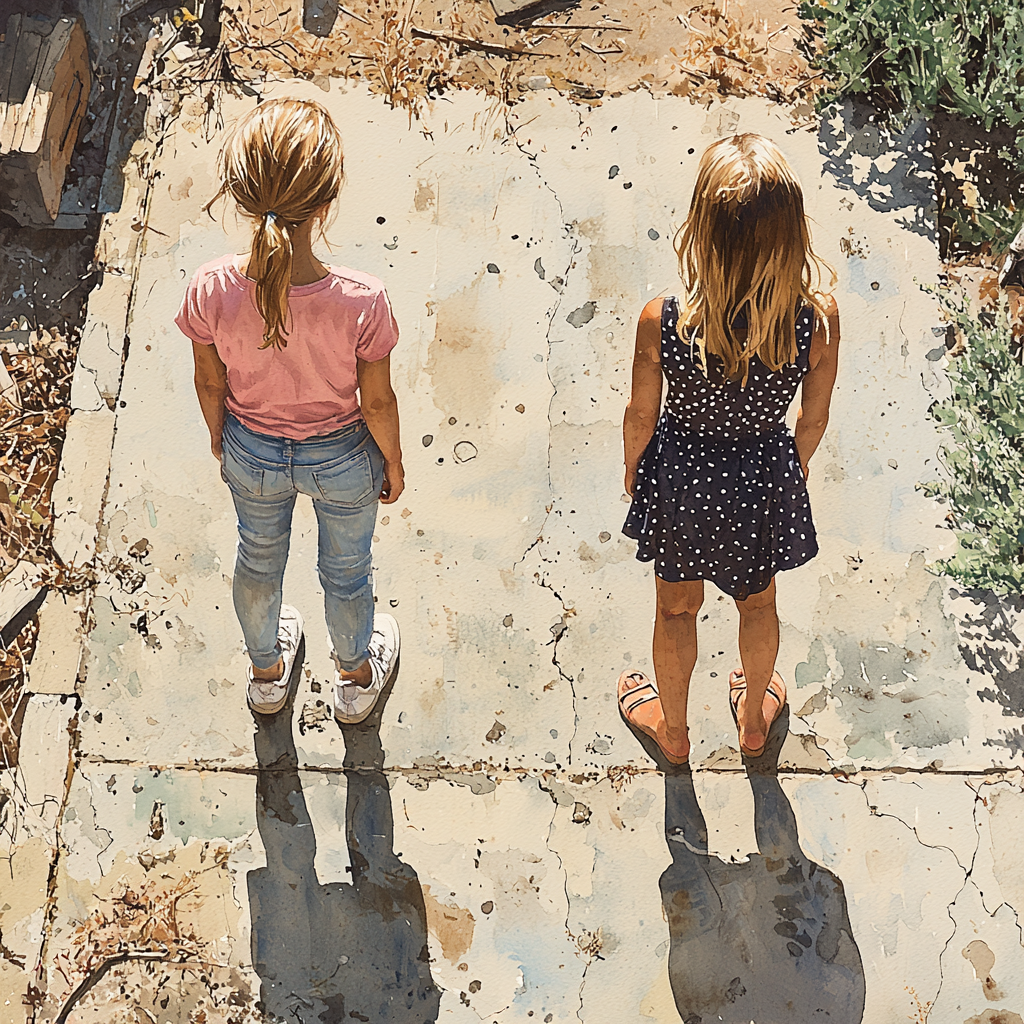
816	394
644	406
379	407
211	379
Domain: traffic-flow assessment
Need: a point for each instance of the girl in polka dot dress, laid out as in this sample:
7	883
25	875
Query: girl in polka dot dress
718	482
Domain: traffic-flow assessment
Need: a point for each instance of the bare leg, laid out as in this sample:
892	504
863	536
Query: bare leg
675	654
759	647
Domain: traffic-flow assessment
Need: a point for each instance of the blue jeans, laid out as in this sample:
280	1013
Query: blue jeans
343	473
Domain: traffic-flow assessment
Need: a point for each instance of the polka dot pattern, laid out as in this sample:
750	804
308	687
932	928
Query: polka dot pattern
720	494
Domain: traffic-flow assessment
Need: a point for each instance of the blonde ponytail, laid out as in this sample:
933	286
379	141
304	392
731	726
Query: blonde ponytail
283	165
270	266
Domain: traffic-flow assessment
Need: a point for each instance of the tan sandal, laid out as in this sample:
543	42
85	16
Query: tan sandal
738	687
630	698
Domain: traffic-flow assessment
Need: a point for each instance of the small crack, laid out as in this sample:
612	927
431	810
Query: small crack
978	799
565	878
146	173
873	810
50	906
540	536
587	945
569	233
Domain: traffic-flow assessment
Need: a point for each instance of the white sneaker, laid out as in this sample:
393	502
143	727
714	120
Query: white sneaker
267	698
353	703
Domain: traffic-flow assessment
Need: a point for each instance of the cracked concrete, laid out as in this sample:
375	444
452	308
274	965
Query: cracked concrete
499	842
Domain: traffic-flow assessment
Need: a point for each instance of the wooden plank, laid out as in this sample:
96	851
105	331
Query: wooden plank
44	93
24	49
41	97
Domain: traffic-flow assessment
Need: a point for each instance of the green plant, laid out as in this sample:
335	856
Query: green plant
960	55
983	483
991	224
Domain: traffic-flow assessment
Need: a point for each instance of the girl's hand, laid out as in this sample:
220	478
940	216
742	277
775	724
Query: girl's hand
394	482
215	447
630	482
806	470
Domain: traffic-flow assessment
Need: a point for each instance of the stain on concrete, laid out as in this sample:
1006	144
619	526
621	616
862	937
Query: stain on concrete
451	925
891	664
982	959
996	1017
424	198
467	341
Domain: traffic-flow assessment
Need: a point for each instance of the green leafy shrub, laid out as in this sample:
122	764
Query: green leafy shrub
965	56
988	225
984	459
962	62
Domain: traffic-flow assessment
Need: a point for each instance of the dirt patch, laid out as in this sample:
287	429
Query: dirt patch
590	52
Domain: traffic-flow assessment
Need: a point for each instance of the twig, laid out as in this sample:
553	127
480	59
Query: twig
476	44
573	28
352	14
601	53
95	976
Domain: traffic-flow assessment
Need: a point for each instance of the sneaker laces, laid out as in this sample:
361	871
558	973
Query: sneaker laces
377	655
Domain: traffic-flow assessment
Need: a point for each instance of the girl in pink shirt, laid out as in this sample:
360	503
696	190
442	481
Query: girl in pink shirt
292	370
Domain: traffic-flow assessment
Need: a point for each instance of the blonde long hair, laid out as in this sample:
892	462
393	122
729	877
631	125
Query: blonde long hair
745	249
282	165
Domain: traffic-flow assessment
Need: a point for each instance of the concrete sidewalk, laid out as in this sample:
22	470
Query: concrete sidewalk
496	844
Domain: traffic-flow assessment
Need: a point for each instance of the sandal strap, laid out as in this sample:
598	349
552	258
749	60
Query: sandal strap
640	700
645	685
770	689
735	692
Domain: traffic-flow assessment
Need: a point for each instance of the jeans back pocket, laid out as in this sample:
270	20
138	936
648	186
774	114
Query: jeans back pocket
241	477
348	483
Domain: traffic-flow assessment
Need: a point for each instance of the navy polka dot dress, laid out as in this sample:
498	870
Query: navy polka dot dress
719	492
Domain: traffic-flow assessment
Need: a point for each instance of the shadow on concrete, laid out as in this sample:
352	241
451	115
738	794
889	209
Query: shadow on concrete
765	940
344	951
989	644
891	168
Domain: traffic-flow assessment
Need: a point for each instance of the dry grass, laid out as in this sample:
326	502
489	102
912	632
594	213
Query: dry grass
13	674
140	957
412	52
33	421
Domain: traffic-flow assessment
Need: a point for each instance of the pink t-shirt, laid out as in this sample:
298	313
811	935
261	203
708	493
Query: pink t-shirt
309	387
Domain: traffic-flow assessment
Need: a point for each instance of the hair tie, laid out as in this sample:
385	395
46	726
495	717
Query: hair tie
270	214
